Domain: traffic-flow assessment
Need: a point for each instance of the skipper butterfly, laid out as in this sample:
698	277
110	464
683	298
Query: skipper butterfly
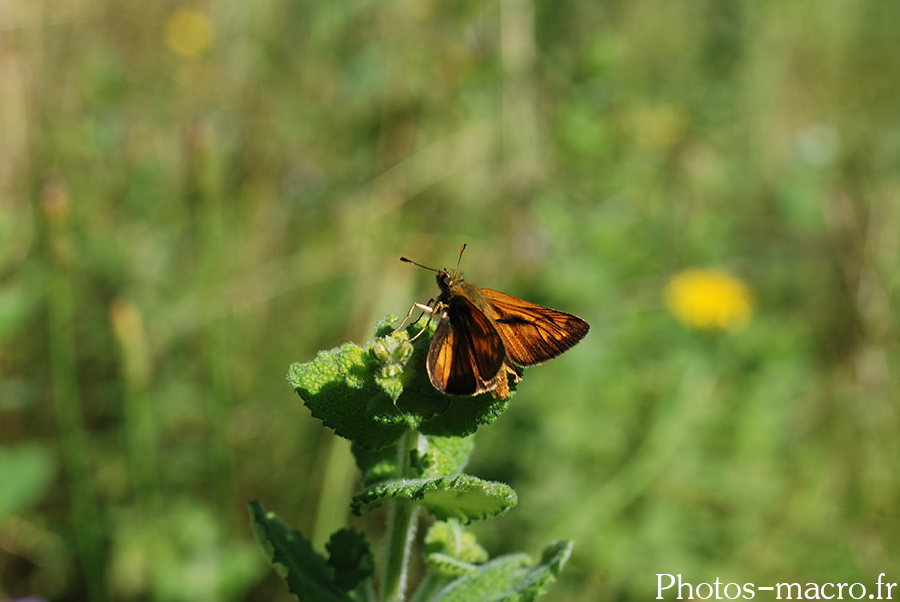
482	335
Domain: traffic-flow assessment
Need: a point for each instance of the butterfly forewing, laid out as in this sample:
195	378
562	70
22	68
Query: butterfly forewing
466	352
533	333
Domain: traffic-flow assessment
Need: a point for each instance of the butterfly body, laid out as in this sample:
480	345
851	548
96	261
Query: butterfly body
483	335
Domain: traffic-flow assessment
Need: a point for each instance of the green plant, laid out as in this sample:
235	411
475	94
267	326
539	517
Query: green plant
411	444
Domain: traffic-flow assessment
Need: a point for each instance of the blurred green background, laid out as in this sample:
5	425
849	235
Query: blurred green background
194	196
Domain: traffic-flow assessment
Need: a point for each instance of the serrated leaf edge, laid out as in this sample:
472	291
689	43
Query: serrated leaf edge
415	490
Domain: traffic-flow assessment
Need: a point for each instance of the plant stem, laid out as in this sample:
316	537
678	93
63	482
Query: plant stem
401	531
73	436
137	411
430	584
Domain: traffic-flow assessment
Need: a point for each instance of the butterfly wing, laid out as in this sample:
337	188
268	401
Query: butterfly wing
533	333
466	352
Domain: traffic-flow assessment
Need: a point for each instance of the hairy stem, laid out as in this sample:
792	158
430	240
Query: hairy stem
401	531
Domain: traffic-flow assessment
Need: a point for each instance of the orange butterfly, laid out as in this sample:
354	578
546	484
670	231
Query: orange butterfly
482	335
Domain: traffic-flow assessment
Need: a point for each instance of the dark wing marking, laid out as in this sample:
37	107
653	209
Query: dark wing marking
533	333
466	352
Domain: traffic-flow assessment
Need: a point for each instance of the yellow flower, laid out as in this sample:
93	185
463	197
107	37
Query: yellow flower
188	32
709	299
660	127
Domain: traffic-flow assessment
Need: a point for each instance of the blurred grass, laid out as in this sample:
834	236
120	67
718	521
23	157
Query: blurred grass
176	230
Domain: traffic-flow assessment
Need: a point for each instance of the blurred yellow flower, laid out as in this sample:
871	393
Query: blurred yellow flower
660	127
709	299
188	32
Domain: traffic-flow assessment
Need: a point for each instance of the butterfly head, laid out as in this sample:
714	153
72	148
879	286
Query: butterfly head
448	278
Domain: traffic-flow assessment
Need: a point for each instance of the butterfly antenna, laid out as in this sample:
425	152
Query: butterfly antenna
460	255
408	260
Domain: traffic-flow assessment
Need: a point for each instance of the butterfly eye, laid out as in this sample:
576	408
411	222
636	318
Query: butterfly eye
447	280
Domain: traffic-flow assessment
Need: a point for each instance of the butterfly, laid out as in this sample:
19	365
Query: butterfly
483	335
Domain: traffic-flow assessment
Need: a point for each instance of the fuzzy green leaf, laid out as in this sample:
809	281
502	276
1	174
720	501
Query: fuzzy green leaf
339	388
435	456
306	573
350	557
463	417
371	394
451	551
447	567
392	353
446	455
511	578
375	465
456	496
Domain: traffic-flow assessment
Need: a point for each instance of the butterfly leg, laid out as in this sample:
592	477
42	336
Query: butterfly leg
500	385
425	309
429	310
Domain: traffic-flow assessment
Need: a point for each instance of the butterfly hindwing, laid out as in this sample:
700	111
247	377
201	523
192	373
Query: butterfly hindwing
466	352
532	333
